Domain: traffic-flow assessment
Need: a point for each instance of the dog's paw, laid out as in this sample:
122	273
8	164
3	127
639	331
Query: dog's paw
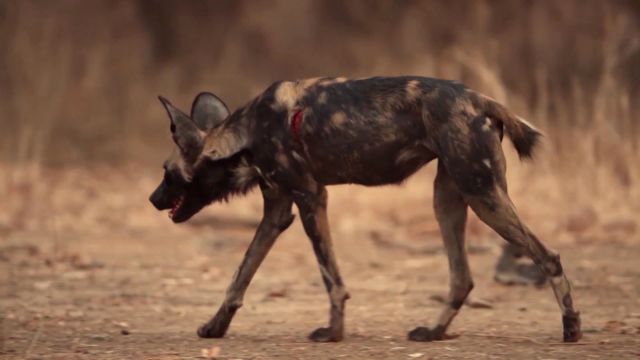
211	330
571	327
324	335
422	333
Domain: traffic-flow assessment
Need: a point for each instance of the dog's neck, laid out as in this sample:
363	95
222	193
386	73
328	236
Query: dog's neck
245	176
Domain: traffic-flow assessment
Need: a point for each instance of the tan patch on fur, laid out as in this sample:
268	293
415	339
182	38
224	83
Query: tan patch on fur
286	96
245	111
223	142
407	154
338	118
305	83
484	100
289	92
297	156
282	159
463	106
433	94
175	161
412	90
244	174
460	122
322	98
458	135
389	104
307	127
528	124
337	80
387	136
487	125
275	141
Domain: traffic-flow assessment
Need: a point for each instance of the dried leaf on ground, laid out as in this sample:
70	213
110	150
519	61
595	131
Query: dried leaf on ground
210	353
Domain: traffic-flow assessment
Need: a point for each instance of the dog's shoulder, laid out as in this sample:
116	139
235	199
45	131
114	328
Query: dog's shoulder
287	95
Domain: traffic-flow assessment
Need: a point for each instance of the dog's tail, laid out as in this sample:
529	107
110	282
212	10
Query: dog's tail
523	135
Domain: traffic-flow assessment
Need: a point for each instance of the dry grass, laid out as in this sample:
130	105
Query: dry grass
79	81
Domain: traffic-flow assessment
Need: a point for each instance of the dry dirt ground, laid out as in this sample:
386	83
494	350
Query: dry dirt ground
92	272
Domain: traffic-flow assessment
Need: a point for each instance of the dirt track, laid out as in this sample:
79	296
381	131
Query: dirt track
132	285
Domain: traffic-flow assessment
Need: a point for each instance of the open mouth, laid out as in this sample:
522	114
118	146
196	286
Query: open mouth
177	204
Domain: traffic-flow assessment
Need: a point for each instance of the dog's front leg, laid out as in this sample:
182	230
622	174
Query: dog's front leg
313	211
277	218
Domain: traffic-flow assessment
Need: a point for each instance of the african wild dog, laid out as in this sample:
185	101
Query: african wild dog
297	137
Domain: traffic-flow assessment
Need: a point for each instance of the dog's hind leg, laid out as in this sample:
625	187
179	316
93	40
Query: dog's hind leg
451	213
277	218
476	163
313	212
497	211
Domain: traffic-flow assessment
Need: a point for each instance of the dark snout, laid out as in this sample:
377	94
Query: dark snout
160	197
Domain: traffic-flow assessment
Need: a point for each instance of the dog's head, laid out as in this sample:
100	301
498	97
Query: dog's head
196	174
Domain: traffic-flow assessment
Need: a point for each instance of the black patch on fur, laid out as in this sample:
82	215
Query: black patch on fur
464	158
217	327
285	224
457	303
170	189
571	327
527	142
324	335
424	334
214	180
380	124
440	108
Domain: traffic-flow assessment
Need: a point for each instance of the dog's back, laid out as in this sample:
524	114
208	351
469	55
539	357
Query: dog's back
378	130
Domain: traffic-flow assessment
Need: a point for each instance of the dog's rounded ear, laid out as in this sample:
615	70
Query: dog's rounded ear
184	132
208	111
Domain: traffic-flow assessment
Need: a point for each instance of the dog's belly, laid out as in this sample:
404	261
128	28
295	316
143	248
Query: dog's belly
366	152
370	168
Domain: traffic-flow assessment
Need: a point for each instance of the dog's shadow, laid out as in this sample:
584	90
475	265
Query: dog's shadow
223	222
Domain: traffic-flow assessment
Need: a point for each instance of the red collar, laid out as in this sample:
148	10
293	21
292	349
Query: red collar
296	123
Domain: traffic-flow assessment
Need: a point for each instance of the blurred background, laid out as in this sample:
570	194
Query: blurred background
83	137
79	80
82	77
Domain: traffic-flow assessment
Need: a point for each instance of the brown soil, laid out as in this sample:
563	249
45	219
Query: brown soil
100	275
